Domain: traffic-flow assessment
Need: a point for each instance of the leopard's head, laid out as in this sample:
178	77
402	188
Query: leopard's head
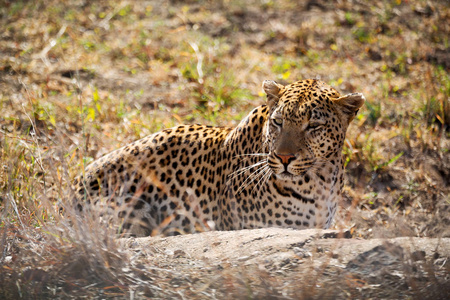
306	126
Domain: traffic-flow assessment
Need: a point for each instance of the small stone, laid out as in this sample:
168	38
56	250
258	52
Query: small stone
179	253
418	255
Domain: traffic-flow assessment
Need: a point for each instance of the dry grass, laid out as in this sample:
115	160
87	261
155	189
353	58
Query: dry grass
80	78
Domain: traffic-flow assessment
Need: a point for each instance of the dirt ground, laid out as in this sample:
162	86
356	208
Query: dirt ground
81	78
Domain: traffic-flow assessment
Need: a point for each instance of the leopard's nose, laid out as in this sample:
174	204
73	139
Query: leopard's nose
285	158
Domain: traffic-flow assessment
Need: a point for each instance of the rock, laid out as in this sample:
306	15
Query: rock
318	259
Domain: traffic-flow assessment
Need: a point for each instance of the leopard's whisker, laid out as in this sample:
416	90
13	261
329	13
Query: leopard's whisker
244	169
251	154
252	178
319	164
267	177
264	175
269	174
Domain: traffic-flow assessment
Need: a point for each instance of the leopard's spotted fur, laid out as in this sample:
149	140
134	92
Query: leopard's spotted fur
281	166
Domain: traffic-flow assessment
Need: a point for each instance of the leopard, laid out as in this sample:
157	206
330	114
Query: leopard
281	166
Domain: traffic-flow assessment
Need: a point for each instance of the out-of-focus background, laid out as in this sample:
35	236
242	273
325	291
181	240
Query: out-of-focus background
81	78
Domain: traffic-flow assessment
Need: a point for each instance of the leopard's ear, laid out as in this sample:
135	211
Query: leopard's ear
273	91
350	104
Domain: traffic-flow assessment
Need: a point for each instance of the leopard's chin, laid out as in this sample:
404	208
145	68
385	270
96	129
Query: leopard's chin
285	175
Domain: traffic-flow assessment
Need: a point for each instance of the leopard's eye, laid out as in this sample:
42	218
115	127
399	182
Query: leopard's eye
277	122
315	125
